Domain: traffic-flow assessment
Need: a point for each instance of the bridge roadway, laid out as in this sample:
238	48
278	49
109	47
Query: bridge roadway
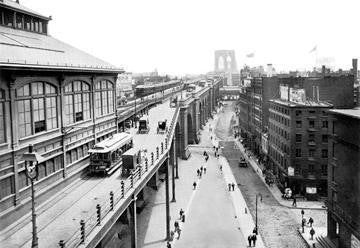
59	217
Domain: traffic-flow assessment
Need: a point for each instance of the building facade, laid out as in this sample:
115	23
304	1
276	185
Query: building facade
344	177
53	96
298	145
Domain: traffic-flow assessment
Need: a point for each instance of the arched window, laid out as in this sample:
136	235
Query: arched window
77	102
104	98
37	108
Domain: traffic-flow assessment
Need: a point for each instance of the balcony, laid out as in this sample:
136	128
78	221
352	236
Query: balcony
312	129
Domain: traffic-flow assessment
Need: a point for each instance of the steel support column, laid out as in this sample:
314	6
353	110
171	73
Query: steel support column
173	171
176	159
132	222
167	198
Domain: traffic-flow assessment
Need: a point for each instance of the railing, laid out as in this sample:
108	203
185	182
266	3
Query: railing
107	206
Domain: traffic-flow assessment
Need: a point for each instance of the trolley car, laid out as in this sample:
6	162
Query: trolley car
106	156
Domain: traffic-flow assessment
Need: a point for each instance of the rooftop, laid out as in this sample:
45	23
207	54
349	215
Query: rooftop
20	8
19	48
307	103
354	112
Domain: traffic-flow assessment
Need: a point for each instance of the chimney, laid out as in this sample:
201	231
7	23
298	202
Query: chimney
313	93
317	94
323	70
355	69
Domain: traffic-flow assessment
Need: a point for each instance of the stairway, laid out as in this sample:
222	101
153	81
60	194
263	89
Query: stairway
325	242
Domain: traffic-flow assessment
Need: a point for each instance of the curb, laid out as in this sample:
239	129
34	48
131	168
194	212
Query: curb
262	179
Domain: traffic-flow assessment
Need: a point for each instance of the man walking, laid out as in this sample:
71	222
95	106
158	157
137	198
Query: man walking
204	169
233	186
311	221
254	238
198	172
312	233
249	240
181	212
294	202
194	185
229	184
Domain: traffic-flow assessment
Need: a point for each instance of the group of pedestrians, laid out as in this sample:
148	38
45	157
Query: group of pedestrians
231	186
252	239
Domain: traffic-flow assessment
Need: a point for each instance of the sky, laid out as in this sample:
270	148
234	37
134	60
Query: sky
179	37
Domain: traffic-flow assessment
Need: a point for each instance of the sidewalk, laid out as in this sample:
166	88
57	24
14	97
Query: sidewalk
244	217
313	205
209	197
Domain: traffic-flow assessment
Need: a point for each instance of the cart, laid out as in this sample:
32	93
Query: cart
162	128
143	125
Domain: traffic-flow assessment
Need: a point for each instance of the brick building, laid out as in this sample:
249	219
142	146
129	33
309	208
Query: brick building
52	95
298	145
344	177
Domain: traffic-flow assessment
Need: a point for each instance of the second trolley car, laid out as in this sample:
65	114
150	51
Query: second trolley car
106	156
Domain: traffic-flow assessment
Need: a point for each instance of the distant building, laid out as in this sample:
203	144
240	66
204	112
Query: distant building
298	144
344	177
225	64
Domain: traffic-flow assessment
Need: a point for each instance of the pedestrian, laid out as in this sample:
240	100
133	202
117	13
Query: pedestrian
249	240
194	185
294	202
254	238
220	167
168	245
204	169
233	186
201	169
198	172
183	217
229	186
206	158
312	233
179	232
204	153
311	221
176	225
181	212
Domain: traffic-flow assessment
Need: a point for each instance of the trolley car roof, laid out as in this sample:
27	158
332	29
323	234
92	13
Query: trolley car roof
112	143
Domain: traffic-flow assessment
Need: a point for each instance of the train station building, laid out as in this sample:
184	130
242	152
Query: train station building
52	95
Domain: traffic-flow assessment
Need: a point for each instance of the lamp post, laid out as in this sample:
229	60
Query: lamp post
256	209
32	159
134	119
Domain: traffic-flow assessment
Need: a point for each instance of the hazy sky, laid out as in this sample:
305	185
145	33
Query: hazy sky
180	36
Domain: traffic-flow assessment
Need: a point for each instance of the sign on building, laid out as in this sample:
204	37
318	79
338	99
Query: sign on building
291	171
297	95
311	190
284	92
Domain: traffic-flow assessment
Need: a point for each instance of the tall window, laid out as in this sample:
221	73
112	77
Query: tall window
2	117
36	104
77	102
311	153
104	98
